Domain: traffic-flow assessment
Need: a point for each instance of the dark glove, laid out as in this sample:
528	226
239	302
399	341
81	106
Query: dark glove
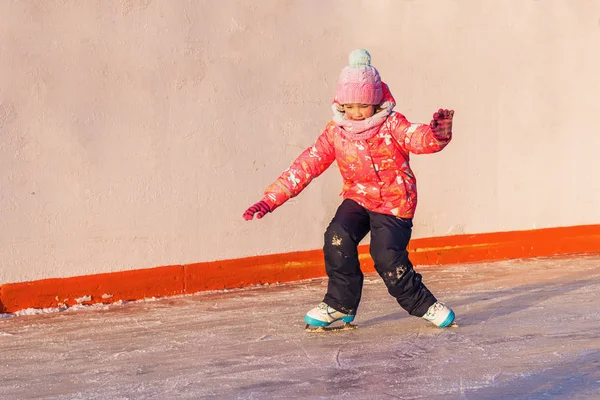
441	124
260	209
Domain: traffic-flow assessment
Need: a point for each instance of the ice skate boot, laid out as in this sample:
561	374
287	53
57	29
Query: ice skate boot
440	315
319	318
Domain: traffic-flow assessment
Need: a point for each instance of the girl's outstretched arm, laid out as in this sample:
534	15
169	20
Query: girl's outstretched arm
423	138
310	164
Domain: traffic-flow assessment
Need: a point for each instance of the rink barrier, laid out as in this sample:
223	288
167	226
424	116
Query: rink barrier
226	274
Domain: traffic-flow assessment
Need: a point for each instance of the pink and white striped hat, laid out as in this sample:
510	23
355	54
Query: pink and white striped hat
359	82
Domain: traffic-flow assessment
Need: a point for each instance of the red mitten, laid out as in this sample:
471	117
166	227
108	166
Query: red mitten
260	209
441	124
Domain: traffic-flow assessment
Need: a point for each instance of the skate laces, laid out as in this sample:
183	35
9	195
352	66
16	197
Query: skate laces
434	309
324	307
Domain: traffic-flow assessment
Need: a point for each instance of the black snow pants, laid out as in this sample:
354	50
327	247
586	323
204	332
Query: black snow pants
389	238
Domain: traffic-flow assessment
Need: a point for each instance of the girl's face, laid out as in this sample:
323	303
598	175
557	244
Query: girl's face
358	112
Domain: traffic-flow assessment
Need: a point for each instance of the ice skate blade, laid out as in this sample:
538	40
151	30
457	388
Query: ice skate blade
321	329
453	325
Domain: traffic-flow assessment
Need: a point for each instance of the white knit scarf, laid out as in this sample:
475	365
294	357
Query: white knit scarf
365	129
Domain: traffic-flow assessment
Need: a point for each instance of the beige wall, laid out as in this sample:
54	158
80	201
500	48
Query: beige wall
135	133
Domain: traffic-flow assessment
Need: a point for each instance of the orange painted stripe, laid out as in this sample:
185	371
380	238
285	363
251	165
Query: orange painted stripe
506	245
100	288
254	270
216	275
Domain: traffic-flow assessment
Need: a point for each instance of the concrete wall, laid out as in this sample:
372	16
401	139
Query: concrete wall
135	133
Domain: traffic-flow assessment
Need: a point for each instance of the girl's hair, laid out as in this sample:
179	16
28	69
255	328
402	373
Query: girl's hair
378	108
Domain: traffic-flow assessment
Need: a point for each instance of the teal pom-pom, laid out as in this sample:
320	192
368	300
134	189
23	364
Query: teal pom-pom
359	57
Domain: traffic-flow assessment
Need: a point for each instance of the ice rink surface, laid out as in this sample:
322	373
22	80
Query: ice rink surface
529	329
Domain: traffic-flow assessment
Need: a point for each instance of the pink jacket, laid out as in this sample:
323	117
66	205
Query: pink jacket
374	165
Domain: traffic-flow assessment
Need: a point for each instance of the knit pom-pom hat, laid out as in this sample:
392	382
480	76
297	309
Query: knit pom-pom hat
359	82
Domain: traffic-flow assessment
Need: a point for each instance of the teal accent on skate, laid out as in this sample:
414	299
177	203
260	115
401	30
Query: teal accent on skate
315	322
448	321
348	318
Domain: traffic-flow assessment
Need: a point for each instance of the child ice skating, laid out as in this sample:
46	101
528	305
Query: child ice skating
371	144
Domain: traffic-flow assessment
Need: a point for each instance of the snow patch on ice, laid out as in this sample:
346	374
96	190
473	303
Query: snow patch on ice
80	306
62	307
36	311
83	299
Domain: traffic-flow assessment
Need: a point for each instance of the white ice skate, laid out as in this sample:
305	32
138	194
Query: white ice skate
320	317
440	315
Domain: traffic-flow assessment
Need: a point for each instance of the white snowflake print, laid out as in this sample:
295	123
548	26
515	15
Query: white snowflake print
412	128
314	152
409	132
292	178
361	189
388	138
352	167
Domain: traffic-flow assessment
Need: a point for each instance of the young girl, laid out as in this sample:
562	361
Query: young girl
371	145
